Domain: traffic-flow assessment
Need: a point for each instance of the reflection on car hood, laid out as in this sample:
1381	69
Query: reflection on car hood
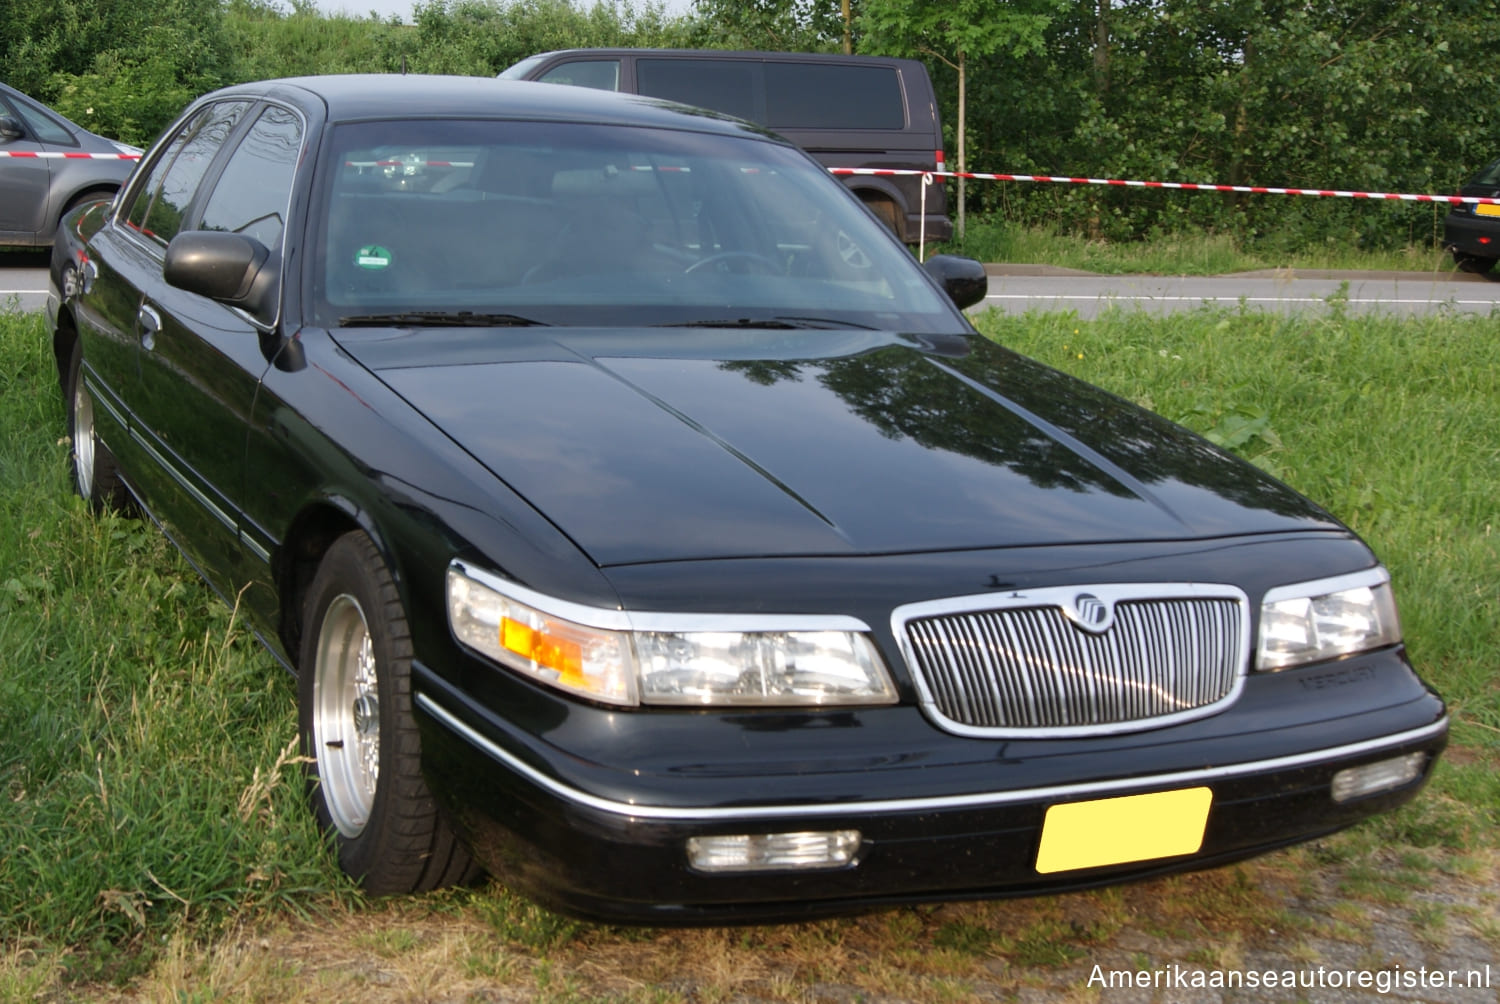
657	446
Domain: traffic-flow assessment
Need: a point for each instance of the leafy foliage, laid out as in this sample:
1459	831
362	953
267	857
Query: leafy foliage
775	25
1348	94
118	68
1374	95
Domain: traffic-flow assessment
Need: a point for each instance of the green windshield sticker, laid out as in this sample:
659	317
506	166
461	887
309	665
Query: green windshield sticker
373	256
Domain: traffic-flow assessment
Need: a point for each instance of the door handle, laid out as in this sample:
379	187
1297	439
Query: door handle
149	322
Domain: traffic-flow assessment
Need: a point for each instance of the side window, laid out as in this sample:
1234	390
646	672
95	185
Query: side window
44	126
159	205
600	74
252	194
831	96
726	85
1489	176
145	189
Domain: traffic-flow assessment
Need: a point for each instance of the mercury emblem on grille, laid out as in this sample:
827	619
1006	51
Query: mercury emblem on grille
1090	613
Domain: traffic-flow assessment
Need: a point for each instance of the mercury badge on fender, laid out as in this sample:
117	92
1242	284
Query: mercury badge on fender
644	525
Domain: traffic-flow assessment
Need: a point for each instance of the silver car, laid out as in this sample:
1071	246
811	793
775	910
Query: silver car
48	166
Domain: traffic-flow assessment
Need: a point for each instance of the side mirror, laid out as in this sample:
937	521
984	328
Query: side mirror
233	269
10	128
963	279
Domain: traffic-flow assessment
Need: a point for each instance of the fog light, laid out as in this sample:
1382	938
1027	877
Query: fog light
1356	782
759	852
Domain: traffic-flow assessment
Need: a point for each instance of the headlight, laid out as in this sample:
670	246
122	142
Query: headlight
658	658
761	667
1326	619
592	661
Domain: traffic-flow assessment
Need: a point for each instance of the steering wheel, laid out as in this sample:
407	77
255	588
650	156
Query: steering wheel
762	263
852	254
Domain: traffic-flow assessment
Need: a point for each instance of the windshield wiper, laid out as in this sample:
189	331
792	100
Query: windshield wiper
438	319
785	322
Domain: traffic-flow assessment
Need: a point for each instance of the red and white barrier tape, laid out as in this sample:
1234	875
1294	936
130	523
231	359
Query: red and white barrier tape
1178	185
60	155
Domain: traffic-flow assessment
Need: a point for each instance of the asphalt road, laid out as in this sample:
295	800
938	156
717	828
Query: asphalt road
23	280
1020	288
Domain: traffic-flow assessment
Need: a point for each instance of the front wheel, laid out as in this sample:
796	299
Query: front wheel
358	733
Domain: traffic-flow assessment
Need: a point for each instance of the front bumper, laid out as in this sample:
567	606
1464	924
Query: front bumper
617	859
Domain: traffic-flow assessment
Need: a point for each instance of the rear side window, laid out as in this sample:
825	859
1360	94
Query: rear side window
724	85
600	74
161	203
823	96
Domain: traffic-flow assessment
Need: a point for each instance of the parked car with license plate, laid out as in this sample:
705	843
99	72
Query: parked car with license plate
644	525
1471	231
50	166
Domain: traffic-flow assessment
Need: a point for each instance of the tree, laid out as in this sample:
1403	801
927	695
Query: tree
776	25
120	68
953	31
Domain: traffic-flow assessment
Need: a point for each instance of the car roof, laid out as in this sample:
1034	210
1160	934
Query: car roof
354	97
795	57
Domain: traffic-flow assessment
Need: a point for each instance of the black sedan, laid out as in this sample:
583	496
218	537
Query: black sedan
1471	231
646	527
50	166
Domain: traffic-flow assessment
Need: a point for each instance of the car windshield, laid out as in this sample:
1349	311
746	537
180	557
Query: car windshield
579	224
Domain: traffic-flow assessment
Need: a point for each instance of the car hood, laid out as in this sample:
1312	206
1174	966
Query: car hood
661	445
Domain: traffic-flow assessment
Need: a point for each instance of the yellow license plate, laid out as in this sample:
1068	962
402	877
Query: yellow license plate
1114	831
1485	209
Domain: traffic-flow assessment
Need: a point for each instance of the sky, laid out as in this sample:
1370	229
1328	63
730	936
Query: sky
403	8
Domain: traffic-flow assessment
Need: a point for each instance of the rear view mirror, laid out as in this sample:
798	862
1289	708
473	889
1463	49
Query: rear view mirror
10	128
963	279
231	268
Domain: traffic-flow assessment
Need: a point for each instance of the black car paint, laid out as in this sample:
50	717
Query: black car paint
707	451
1471	236
255	447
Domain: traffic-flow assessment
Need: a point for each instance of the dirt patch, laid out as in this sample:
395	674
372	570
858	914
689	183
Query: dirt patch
1322	914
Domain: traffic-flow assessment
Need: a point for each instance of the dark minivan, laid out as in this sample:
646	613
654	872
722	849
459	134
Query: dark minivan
847	111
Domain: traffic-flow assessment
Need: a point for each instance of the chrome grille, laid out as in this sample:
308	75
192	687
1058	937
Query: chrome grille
1025	665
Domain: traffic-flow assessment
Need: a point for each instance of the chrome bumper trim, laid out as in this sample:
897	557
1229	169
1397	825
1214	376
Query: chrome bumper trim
975	801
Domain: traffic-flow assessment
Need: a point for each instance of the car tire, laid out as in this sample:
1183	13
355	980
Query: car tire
359	737
95	475
1473	263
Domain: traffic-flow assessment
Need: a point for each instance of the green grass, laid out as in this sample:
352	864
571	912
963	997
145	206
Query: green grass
1193	253
143	737
145	741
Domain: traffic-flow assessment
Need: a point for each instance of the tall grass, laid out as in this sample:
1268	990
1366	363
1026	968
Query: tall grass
144	739
994	239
